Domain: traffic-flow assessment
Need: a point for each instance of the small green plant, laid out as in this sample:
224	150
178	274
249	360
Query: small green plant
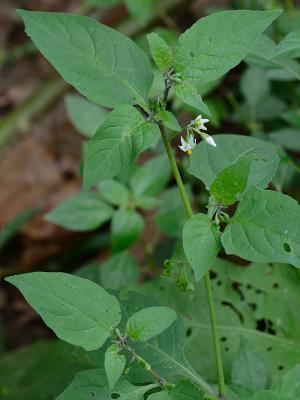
143	343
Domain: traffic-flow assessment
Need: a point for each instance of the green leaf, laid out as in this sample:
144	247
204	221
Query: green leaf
151	177
289	138
41	371
149	322
102	64
85	115
117	143
147	202
77	310
160	51
114	365
169	120
255	85
141	10
188	93
201	243
82	212
217	43
289	47
231	182
13	226
126	227
249	369
119	271
207	161
186	390
114	192
93	384
163	395
265	228
265	395
288	387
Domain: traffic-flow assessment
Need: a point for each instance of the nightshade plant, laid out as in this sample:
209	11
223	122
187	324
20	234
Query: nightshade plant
112	71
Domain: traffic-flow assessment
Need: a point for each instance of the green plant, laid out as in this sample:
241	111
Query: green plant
141	343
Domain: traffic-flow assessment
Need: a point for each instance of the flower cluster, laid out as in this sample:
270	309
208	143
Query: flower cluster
196	126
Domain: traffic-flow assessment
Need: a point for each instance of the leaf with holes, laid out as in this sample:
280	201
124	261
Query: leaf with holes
265	228
149	322
207	161
160	51
102	64
79	311
288	387
201	243
116	144
249	370
231	182
114	364
82	212
217	43
93	385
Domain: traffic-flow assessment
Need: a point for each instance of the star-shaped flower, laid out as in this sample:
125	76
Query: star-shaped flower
189	144
199	123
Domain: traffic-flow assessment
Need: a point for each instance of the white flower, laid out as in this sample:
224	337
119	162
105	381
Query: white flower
199	123
210	140
189	144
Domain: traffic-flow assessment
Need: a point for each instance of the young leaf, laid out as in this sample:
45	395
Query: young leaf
114	364
188	93
160	51
149	322
249	369
85	115
169	120
207	161
77	310
265	228
102	64
217	43
201	243
113	192
93	384
231	182
117	143
82	212
126	228
151	177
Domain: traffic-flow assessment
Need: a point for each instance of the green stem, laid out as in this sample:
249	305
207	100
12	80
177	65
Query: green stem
188	208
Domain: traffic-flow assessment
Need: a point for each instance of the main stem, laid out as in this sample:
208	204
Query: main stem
212	313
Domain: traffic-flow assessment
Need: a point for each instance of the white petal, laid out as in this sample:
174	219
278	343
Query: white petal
183	142
210	140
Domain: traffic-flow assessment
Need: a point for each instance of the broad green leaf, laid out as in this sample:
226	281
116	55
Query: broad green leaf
249	370
93	384
288	387
151	177
231	182
255	85
289	138
77	310
126	227
114	192
289	47
114	364
13	226
119	271
185	390
201	243
82	212
163	395
188	93
147	202
117	143
207	161
265	228
169	120
265	395
41	371
292	117
160	51
85	115
238	393
102	64
149	322
217	43
141	10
